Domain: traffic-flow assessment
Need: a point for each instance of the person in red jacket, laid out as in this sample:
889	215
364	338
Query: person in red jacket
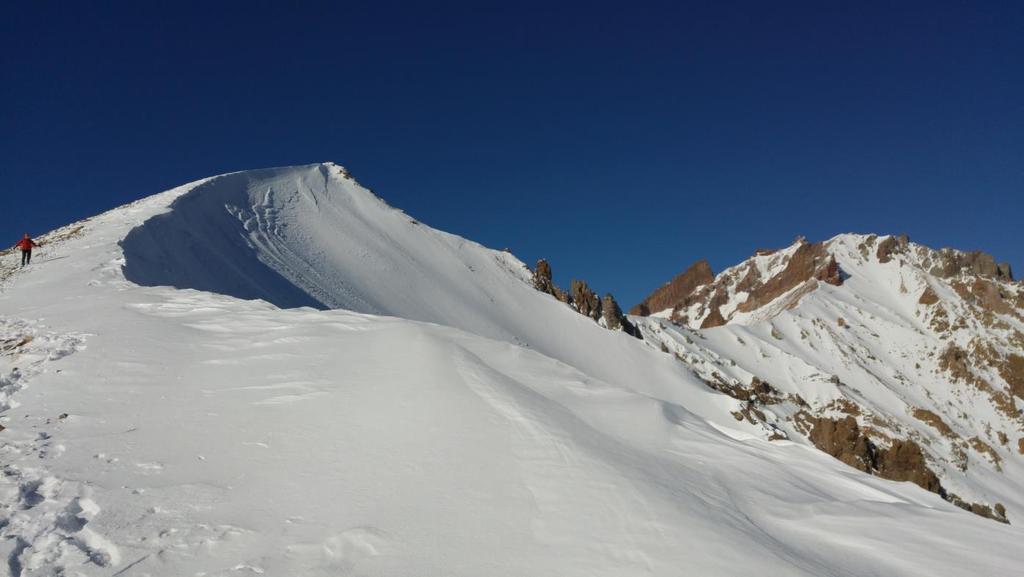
26	245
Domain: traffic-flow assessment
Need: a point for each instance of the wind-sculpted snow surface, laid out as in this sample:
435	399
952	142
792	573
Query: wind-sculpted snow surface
204	434
312	236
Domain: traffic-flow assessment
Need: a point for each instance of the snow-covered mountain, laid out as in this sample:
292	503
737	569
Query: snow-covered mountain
898	359
274	372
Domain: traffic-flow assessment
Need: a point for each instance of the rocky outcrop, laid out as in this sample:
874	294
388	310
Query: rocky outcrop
831	273
958	363
935	421
614	319
843	440
955	361
750	281
759	391
697	295
928	297
985	293
584	300
542	277
890	246
714	319
950	263
809	261
903	460
1012	371
755	396
542	281
611	313
676	292
985	449
996	513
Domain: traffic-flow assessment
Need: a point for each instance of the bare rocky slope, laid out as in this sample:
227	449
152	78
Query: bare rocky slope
898	359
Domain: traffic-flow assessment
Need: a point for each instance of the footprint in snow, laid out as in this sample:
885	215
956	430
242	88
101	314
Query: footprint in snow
348	548
51	529
33	492
345	550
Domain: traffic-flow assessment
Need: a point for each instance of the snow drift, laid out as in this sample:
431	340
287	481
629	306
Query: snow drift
309	237
312	236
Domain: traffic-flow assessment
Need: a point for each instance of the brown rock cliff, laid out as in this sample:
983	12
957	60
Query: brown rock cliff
675	293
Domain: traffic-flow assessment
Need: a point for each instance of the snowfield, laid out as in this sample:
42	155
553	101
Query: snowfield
275	373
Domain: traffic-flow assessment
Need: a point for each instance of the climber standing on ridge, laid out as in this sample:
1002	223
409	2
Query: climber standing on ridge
26	245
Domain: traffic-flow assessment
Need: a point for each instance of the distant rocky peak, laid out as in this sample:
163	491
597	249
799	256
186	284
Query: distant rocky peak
676	291
699	299
900	360
774	280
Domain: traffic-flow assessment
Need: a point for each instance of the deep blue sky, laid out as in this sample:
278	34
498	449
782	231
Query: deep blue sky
620	140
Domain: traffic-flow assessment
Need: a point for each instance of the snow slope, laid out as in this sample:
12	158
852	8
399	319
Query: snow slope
312	236
158	423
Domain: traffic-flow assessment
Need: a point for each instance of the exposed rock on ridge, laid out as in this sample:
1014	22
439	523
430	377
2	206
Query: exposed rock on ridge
701	300
809	261
676	292
614	319
697	298
542	280
584	300
890	246
951	263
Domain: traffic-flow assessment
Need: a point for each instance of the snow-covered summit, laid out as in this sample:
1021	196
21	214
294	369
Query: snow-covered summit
423	410
311	236
307	236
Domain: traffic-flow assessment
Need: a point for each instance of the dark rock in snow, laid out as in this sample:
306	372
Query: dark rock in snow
714	319
542	281
614	319
890	246
584	300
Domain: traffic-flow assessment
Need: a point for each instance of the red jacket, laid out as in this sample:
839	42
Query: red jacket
26	244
